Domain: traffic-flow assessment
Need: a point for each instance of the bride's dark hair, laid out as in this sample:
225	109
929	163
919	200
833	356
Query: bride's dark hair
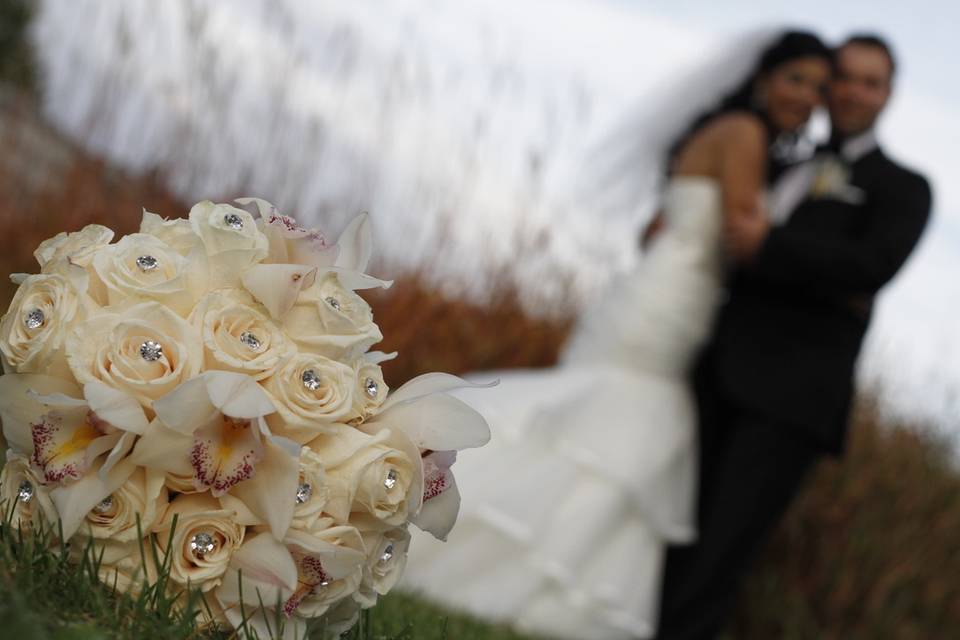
789	46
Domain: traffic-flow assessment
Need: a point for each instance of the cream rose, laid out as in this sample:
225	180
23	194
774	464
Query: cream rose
386	559
367	476
231	239
145	350
115	518
238	335
140	266
177	233
33	331
312	490
331	320
78	247
371	390
312	394
205	539
21	486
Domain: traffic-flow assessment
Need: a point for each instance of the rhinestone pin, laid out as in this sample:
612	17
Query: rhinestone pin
310	379
252	341
391	480
151	351
304	491
147	263
34	319
104	505
233	221
371	387
333	302
387	554
25	491
202	543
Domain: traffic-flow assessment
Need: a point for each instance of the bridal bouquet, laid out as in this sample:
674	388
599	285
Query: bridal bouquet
205	386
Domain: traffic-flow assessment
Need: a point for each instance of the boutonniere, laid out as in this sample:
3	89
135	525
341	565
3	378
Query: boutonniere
832	182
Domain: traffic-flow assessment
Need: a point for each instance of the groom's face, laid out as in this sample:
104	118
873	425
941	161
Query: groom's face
860	88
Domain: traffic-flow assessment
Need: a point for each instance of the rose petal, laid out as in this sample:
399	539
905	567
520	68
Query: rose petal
74	501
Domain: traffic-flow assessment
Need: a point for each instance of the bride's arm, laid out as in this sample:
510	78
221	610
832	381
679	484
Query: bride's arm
742	153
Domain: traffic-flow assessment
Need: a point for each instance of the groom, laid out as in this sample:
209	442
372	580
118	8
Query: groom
775	384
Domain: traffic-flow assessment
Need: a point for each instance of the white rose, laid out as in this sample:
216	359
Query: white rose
141	266
177	233
33	331
239	336
205	539
367	476
23	496
145	350
312	394
371	389
386	560
312	490
142	497
231	239
332	320
77	247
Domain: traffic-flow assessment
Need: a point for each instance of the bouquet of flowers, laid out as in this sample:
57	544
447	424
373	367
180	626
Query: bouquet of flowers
206	386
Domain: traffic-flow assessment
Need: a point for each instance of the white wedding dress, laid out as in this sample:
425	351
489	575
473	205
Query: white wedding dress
591	470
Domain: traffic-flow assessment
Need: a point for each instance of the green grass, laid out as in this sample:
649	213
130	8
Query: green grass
46	595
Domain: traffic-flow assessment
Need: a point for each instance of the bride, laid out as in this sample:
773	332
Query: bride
591	472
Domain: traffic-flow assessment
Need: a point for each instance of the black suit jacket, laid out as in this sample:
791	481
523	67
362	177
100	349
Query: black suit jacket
787	339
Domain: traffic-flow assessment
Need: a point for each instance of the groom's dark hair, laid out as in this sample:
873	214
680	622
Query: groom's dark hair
871	40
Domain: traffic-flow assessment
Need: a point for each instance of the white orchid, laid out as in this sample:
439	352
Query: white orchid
422	416
77	440
213	427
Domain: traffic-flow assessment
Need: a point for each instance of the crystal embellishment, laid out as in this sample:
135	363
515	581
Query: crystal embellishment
233	221
34	319
387	554
25	491
304	491
252	341
391	480
371	387
333	302
104	505
310	379
147	263
151	351
202	543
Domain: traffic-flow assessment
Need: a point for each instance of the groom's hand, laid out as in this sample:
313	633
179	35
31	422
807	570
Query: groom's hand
744	234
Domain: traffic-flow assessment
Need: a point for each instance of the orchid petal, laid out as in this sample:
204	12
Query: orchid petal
271	493
187	407
438	514
115	407
438	422
356	244
75	500
224	454
430	383
163	449
122	448
354	280
379	357
60	443
238	395
263	569
18	409
277	286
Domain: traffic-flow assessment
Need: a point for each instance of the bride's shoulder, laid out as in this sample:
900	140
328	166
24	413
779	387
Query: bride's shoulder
737	125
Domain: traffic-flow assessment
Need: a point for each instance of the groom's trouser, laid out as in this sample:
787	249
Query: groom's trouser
751	467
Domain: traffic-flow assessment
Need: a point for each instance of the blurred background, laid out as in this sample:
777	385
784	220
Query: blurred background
462	127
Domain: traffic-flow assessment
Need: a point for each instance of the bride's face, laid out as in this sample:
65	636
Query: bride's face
793	90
